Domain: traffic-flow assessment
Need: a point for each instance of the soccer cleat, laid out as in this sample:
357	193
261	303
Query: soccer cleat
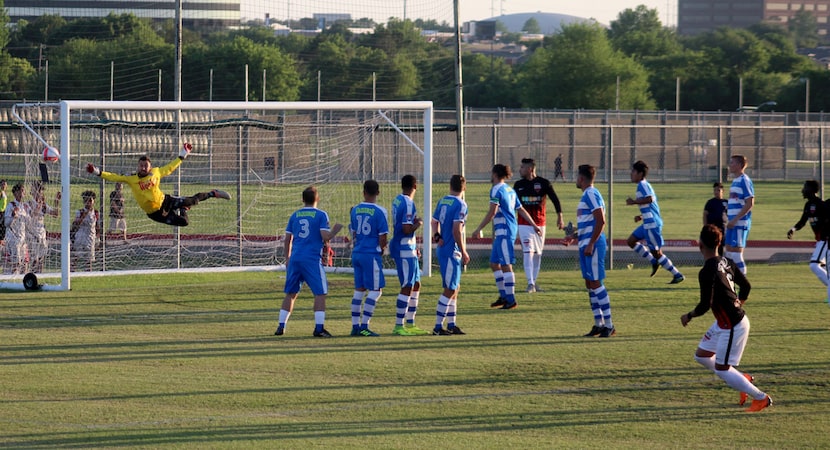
607	332
531	288
455	330
355	331
498	303
400	330
744	396
280	331
511	305
758	405
536	288
595	331
441	332
221	194
322	333
677	279
415	330
369	333
655	266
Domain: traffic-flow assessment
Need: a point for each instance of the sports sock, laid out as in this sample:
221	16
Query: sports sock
708	363
284	315
412	309
527	260
509	286
537	264
595	308
604	303
643	251
441	312
319	320
400	306
666	263
739	261
736	380
499	276
357	300
820	271
369	307
451	310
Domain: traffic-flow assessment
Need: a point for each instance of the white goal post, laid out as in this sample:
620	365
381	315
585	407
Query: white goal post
263	153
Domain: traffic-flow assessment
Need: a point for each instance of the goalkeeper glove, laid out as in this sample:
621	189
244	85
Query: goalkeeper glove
93	170
185	150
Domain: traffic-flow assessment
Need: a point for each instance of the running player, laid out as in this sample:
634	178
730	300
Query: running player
817	214
650	231
369	229
504	205
532	191
448	232
741	200
403	248
722	347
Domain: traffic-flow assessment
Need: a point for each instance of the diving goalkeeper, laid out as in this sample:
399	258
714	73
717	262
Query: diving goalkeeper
161	207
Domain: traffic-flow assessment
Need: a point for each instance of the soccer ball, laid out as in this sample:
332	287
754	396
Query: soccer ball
51	154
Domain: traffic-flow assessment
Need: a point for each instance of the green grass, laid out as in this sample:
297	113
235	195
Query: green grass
190	361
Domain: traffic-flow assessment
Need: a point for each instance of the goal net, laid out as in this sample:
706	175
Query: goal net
262	154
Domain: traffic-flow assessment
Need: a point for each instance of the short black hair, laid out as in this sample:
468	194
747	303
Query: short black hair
502	171
812	185
641	167
88	194
457	183
717	184
310	195
371	187
588	171
408	182
710	236
529	161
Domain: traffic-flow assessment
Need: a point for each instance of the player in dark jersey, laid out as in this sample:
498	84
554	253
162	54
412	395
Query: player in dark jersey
533	192
714	212
722	347
816	213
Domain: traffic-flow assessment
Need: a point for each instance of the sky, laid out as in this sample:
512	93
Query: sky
604	11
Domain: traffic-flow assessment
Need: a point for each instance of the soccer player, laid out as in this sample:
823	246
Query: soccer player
504	205
37	208
404	251
722	347
85	229
307	230
557	168
650	231
145	183
739	213
590	235
714	212
15	218
817	214
369	229
117	220
4	202
532	191
448	232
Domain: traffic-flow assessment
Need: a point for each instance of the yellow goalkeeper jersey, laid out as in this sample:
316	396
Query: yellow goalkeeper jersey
146	190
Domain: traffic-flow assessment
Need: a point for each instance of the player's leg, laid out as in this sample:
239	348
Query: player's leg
730	348
586	264
498	275
735	243
528	262
287	306
374	282
635	241
359	292
537	257
504	257
818	262
450	279
654	237
402	303
315	278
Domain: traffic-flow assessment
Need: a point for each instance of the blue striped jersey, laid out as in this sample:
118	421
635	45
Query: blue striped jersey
505	223
591	201
739	192
402	245
651	211
450	209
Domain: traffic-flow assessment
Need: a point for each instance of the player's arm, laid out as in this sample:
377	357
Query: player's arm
435	227
557	205
327	235
170	167
748	204
383	239
287	245
705	279
522	212
487	218
409	228
458	234
801	222
639	201
742	285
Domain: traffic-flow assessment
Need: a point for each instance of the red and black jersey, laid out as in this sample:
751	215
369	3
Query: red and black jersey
817	214
718	278
533	195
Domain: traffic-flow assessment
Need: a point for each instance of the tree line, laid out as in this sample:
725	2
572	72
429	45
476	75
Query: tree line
634	64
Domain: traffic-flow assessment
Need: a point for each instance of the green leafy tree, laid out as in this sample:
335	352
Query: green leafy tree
531	26
638	33
14	72
578	69
489	83
804	28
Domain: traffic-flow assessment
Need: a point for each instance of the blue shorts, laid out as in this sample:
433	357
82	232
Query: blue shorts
368	271
736	237
502	252
302	271
593	267
652	236
409	271
449	263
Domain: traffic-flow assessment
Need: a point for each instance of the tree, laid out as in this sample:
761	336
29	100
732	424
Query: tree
531	26
638	33
489	83
578	69
14	72
804	28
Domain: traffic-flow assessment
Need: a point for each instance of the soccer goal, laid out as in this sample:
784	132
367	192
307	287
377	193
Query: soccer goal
262	154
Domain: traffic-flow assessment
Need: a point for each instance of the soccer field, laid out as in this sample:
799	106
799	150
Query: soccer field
190	361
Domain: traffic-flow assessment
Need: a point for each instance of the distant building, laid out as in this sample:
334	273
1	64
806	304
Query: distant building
699	16
196	15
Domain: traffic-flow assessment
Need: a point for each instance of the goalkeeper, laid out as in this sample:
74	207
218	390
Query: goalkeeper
145	183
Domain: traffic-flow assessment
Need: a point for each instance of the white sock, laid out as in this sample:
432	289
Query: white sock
736	380
527	258
319	317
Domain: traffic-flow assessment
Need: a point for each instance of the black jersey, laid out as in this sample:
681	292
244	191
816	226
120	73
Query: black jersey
718	278
533	195
817	214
